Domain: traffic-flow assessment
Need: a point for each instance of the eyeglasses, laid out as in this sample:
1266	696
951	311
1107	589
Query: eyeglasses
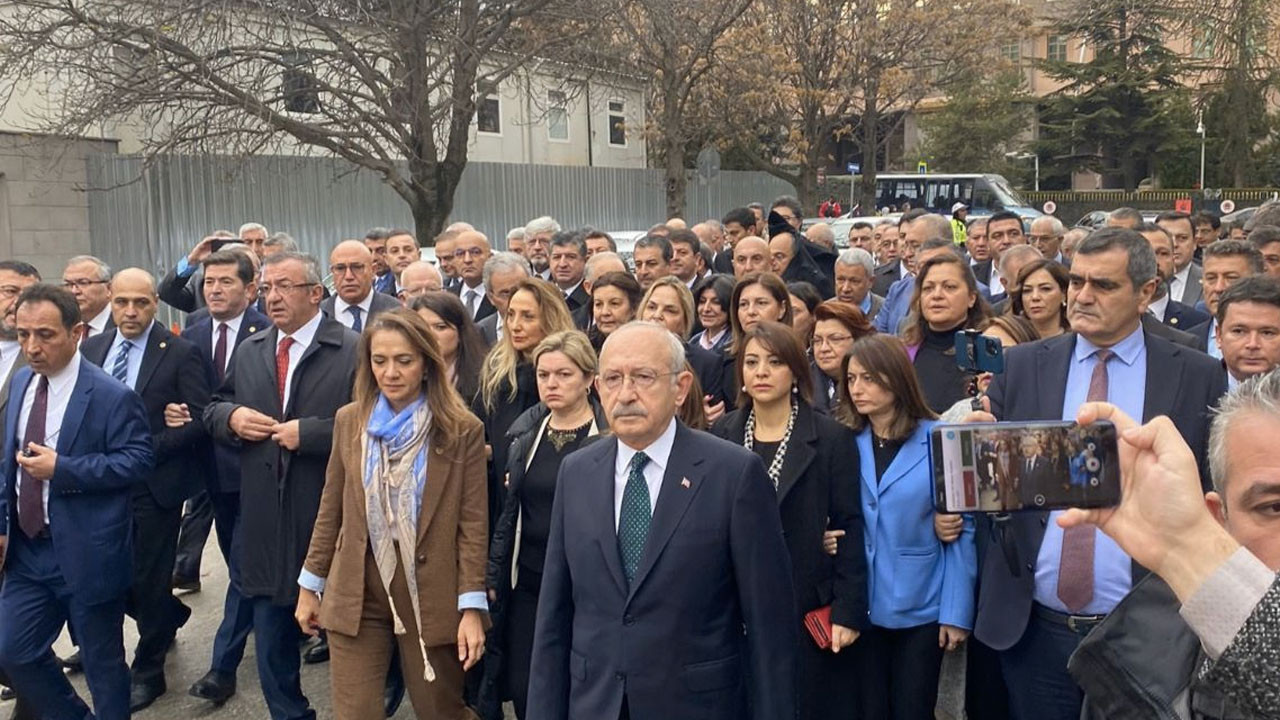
341	269
831	340
640	379
283	287
82	284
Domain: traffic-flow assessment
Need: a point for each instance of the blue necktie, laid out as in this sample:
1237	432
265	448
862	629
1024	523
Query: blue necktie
356	324
121	369
633	520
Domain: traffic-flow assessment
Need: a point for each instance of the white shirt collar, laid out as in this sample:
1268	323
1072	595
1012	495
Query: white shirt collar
233	324
303	336
1158	307
569	291
68	374
99	322
340	305
659	451
710	342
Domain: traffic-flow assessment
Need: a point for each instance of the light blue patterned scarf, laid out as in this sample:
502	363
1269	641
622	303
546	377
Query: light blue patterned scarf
395	459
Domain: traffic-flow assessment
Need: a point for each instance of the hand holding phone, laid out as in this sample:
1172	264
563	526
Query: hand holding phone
978	353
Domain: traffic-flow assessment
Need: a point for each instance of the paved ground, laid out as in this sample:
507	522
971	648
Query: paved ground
190	659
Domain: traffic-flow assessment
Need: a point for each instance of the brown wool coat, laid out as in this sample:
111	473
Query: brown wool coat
452	543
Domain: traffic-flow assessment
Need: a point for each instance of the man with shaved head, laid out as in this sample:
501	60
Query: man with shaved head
162	369
750	255
419	278
471	251
354	301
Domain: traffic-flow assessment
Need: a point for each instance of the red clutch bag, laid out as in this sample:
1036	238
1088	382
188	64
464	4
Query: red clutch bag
818	623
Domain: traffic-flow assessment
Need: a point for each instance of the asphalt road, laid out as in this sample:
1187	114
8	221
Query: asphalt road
189	660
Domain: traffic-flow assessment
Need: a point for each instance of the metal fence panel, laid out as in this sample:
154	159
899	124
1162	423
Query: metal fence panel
149	215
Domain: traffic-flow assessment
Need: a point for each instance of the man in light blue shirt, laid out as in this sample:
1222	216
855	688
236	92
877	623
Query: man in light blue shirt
1042	588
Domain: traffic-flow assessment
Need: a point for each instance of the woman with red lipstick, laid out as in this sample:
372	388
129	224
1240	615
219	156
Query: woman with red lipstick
1040	295
811	460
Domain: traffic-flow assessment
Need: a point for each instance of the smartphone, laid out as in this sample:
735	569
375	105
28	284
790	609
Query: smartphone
220	243
1012	466
978	353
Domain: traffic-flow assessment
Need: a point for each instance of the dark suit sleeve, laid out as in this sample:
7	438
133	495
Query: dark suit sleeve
127	460
849	608
174	290
193	390
553	632
761	566
217	414
502	544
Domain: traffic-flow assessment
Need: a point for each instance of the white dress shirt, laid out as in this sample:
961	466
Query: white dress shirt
133	361
342	315
1159	307
1178	283
233	332
99	322
9	352
659	454
466	292
302	339
61	384
996	285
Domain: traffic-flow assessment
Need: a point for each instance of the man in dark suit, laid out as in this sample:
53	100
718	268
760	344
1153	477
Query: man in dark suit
75	442
161	369
228	285
568	263
1184	282
354	302
664	544
176	287
89	280
1163	307
502	273
1004	230
1043	589
277	406
1225	262
471	252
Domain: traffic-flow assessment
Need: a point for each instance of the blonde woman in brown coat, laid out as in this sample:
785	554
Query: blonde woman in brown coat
400	543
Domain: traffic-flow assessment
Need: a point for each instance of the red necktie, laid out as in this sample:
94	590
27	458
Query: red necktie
31	490
1075	566
282	367
220	352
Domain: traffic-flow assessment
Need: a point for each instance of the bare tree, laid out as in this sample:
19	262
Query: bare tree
388	85
674	43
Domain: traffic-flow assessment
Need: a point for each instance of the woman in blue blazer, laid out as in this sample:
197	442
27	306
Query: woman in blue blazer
920	591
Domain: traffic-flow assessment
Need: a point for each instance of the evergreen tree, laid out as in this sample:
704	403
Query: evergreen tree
1113	113
984	118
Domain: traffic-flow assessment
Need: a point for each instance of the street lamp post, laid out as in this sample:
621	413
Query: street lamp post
1027	156
1200	131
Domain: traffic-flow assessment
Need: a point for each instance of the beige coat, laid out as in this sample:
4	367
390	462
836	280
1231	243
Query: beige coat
452	544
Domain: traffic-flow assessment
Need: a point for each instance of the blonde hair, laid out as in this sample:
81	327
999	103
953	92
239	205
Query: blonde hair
683	295
448	411
575	346
501	363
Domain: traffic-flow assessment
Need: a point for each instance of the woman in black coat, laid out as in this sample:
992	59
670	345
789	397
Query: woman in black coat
813	462
567	418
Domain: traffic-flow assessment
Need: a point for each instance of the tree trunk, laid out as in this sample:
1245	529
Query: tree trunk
868	141
676	179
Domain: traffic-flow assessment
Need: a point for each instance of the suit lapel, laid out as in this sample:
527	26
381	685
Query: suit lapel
97	352
600	502
800	451
439	464
77	406
157	344
268	356
673	501
913	452
1054	364
1164	373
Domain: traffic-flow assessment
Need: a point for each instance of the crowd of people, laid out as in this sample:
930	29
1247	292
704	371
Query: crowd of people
692	482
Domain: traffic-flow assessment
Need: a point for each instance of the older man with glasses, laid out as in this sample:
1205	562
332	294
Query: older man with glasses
89	280
354	302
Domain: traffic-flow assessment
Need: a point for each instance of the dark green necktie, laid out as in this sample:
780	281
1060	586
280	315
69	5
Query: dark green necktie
633	520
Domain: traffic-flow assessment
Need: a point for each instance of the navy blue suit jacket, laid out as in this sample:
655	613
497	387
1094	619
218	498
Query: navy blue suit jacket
1181	383
104	447
226	458
673	641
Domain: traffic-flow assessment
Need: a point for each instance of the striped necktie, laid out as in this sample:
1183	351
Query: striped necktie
121	369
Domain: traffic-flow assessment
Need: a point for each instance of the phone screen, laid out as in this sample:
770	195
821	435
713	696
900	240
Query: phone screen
1007	467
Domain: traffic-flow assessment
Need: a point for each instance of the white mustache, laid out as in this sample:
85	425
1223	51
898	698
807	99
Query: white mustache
629	410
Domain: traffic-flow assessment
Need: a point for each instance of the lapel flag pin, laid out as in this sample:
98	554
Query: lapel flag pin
684	483
163	345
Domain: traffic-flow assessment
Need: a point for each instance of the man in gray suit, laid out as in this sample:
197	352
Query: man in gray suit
855	269
1184	285
354	302
502	272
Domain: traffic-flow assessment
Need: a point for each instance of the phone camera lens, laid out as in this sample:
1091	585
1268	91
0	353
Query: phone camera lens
1039	500
1093	481
1092	464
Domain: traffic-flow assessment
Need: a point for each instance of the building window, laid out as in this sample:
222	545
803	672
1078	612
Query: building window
1011	51
299	86
1057	50
617	123
557	116
488	108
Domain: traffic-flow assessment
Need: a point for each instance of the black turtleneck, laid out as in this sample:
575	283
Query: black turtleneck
943	382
